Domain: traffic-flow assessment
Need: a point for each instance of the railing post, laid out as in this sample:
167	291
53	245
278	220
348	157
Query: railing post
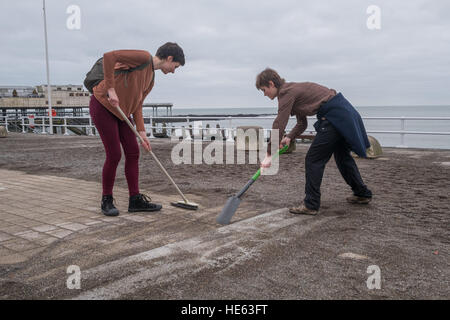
6	124
23	125
90	127
188	135
402	135
230	131
43	125
151	128
172	129
65	126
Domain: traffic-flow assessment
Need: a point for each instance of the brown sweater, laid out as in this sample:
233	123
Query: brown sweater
132	92
301	99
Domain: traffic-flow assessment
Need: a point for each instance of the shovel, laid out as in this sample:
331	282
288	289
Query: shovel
234	201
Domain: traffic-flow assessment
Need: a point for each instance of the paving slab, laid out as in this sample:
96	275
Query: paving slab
56	216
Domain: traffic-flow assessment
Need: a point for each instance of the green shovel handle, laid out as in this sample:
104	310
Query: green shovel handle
281	151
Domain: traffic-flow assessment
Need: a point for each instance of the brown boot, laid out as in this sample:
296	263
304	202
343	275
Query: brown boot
358	200
303	210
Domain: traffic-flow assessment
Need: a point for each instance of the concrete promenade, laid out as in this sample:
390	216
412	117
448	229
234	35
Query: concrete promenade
50	222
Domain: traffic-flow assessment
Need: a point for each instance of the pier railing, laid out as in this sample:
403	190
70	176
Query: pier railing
182	126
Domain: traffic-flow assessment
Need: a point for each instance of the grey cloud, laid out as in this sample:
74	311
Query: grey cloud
228	42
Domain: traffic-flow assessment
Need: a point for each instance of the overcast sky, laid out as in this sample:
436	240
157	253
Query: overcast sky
227	42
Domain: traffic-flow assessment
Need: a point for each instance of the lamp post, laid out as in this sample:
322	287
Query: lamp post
49	89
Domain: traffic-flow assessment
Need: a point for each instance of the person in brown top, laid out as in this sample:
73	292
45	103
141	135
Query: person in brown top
127	90
339	130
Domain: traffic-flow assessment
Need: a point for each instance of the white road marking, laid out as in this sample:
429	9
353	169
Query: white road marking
220	249
351	255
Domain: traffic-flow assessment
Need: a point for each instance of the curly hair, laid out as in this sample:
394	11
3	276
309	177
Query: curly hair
262	79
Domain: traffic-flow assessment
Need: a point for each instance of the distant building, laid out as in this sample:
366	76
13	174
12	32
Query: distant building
18	91
66	95
63	96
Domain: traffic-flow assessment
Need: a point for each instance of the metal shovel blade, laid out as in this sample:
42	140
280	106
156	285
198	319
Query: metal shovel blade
228	210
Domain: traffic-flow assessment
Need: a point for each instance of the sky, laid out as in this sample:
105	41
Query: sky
227	43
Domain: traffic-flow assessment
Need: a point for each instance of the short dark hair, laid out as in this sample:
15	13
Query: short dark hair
262	79
171	49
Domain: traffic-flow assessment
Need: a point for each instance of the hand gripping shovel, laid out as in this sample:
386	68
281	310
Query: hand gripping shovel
185	204
234	201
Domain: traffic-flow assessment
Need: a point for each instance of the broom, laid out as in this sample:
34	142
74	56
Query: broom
185	204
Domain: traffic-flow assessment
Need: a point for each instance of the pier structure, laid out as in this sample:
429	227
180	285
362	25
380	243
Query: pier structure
25	109
24	101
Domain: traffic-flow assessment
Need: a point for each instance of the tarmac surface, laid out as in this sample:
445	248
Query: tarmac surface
50	221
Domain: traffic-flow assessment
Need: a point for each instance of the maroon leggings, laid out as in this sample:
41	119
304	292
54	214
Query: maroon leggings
113	133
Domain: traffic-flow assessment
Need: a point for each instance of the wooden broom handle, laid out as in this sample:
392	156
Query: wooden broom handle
151	152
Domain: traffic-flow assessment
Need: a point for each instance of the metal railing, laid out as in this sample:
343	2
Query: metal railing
402	132
189	120
42	122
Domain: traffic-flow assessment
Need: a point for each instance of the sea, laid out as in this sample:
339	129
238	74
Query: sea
385	139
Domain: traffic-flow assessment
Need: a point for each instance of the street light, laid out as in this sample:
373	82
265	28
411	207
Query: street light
49	90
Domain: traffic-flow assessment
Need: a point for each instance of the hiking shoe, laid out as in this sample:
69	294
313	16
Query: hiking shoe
303	210
141	202
108	207
358	200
